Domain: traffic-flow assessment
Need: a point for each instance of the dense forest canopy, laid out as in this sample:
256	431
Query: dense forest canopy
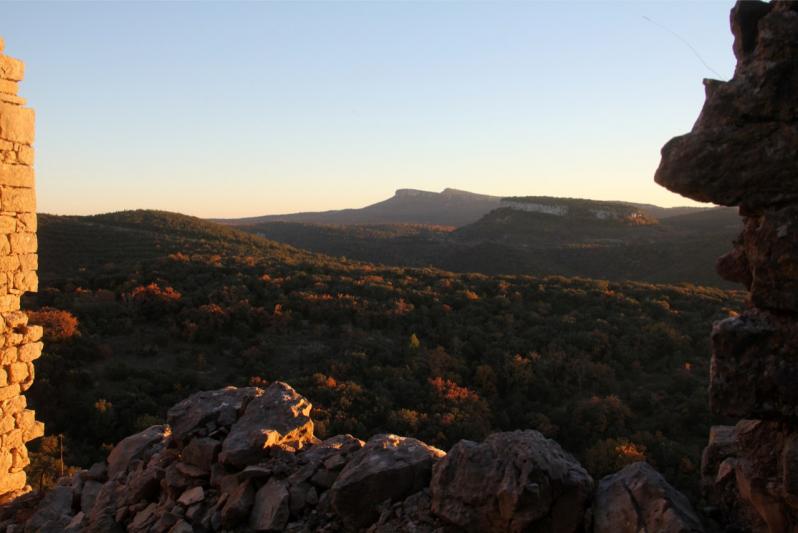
142	308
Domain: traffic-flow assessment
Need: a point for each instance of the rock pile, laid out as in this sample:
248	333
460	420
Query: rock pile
247	460
743	151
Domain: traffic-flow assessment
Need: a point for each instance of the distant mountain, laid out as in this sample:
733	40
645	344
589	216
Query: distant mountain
539	236
451	207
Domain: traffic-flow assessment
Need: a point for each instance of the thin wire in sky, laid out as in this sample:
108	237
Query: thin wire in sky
686	42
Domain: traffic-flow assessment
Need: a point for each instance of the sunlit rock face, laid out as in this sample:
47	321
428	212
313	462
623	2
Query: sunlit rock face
19	342
743	151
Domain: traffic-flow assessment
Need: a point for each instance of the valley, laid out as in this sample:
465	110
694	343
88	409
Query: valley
519	236
167	305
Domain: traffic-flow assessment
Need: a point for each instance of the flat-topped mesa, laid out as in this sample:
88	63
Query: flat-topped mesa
19	343
743	151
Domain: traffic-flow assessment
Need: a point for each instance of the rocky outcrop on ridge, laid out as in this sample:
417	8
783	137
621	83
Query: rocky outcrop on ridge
743	151
177	478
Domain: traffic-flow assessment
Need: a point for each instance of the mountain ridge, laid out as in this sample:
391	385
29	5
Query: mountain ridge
450	207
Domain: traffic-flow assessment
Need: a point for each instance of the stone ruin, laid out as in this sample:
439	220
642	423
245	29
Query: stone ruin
743	151
247	459
20	344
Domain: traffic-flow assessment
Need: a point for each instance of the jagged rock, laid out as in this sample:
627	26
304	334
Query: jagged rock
754	370
271	509
765	259
144	518
191	496
140	446
89	494
280	416
722	445
514	481
388	467
639	499
764	472
413	514
201	452
741	150
101	518
205	412
54	513
239	502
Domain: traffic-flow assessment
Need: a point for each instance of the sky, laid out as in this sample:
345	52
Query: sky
226	109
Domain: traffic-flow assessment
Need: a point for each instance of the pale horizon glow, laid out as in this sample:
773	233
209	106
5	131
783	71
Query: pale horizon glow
227	109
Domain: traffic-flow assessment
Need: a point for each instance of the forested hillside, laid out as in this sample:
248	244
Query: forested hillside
676	249
142	308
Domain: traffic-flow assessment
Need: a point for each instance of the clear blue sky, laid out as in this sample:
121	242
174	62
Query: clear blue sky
235	109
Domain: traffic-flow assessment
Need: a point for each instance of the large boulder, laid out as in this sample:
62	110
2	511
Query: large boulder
53	513
140	446
206	412
639	499
741	150
278	417
388	468
514	481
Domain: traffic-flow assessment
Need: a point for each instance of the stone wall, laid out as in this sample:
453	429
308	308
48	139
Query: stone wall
20	344
743	151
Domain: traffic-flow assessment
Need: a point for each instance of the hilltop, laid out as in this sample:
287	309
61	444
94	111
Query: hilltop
450	207
538	236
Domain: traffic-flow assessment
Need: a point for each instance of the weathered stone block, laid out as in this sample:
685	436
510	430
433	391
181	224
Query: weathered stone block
26	155
23	242
16	123
17	372
33	333
16	176
13	70
15	319
12	99
34	432
27	281
12	481
26	222
10	355
9	391
27	261
17	199
14	405
7	424
9	263
25	385
13	439
19	458
30	352
9	87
